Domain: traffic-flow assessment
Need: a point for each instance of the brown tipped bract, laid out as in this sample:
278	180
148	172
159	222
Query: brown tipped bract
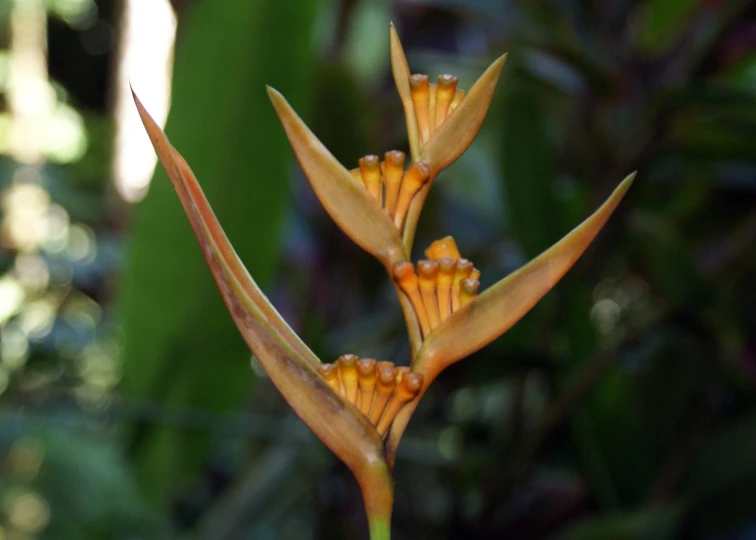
454	136
354	210
495	310
341	427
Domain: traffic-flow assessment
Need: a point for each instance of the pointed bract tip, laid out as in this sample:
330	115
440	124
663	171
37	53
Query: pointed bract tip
273	93
498	64
134	96
623	186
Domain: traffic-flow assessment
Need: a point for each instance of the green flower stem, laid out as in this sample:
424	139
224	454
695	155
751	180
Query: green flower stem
378	493
380	530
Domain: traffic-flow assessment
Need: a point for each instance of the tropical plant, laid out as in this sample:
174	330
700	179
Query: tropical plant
360	407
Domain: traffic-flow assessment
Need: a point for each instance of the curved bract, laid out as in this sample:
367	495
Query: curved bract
346	201
457	132
288	362
497	309
400	70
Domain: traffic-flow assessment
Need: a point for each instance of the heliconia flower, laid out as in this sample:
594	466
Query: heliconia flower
360	407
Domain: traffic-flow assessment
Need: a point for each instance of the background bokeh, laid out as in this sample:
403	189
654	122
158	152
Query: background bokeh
622	407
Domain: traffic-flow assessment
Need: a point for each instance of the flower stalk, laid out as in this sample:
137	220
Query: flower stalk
360	407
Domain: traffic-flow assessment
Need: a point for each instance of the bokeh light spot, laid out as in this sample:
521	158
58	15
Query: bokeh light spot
14	346
37	318
25	205
66	135
28	511
78	14
605	315
464	405
12	296
450	442
81	246
32	272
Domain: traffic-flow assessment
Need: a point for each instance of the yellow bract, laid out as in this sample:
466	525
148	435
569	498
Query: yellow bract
495	310
346	200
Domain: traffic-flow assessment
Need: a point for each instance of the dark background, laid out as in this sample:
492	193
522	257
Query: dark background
622	407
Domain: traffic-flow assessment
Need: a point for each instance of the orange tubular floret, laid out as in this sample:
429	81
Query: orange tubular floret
432	108
420	91
426	279
348	374
413	180
384	388
357	175
404	274
468	291
444	281
464	267
401	371
406	391
393	171
366	377
459	95
331	375
370	168
445	247
445	90
475	274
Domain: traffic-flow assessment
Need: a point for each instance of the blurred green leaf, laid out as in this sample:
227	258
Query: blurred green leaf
528	164
651	524
662	21
529	168
721	480
342	115
81	479
105	499
181	346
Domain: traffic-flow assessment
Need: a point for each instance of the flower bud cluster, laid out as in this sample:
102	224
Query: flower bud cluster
433	102
442	284
380	390
389	184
